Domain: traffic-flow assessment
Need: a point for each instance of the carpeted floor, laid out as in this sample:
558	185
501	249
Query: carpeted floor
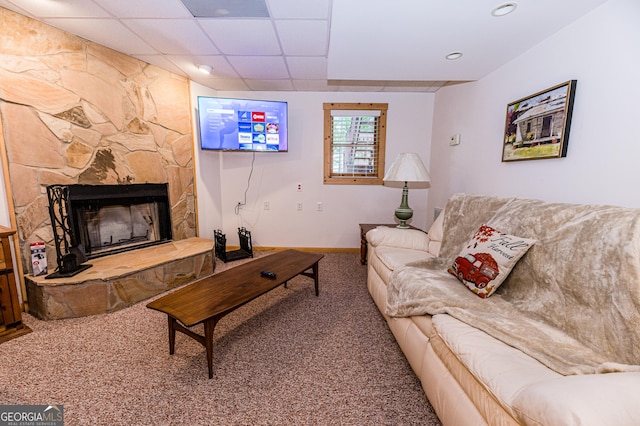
288	357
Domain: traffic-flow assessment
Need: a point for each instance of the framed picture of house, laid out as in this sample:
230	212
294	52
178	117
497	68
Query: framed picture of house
537	126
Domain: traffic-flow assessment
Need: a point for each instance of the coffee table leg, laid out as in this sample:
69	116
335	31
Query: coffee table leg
209	326
172	335
315	277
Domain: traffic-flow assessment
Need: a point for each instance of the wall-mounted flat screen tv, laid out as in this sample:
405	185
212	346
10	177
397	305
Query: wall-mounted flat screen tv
228	124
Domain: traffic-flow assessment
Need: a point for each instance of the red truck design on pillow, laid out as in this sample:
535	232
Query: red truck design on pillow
477	268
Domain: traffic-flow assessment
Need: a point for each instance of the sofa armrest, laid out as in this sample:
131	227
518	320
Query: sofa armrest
401	238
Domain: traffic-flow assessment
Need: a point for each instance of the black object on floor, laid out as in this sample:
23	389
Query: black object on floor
245	250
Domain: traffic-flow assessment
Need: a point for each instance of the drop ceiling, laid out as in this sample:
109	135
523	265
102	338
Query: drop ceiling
314	45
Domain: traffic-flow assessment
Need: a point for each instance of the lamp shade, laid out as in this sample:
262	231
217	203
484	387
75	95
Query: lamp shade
409	168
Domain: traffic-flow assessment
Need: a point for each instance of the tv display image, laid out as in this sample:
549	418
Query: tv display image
228	124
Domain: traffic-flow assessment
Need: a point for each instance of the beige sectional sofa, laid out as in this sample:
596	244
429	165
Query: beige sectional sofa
559	341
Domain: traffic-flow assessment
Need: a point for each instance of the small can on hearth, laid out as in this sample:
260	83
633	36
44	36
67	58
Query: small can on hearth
38	258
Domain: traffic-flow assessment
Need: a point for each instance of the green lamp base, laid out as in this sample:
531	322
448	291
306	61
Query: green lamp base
404	212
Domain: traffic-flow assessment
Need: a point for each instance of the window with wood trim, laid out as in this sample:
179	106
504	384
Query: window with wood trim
354	143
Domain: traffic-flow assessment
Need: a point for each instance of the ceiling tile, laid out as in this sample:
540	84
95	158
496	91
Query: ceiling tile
316	9
303	37
226	84
260	67
270	85
307	68
175	36
146	8
62	9
242	36
220	65
108	32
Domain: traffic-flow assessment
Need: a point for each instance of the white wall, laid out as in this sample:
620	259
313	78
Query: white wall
207	166
222	177
600	51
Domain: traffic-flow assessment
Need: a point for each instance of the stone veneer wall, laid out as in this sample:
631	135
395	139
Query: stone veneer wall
72	111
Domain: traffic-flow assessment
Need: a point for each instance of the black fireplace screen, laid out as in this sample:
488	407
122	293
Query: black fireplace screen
107	219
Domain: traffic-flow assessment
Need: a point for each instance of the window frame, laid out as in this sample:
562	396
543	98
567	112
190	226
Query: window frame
374	178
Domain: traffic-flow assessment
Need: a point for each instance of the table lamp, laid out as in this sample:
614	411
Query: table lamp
406	171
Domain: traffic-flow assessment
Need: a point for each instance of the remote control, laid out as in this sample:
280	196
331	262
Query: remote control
268	274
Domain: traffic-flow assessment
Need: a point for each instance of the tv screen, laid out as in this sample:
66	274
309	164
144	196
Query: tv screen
228	124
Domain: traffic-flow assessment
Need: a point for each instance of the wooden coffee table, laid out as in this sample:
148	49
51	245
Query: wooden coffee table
209	299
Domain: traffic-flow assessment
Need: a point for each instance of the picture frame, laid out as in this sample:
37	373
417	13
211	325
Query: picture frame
537	127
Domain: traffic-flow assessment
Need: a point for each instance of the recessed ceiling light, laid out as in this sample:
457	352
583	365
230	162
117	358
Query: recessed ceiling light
504	9
227	8
205	69
453	56
221	12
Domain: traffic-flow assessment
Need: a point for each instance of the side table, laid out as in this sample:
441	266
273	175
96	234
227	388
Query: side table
366	227
11	325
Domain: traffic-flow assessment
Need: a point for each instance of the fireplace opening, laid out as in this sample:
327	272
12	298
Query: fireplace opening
118	227
108	219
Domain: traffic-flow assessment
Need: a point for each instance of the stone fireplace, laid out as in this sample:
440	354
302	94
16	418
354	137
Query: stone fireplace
95	117
78	114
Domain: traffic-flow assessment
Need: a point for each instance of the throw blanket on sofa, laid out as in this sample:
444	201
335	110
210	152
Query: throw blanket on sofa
572	302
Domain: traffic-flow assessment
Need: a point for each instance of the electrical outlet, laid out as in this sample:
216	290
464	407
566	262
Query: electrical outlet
300	206
319	206
454	140
299	187
267	206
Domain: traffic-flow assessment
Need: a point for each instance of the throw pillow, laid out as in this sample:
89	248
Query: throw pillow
486	261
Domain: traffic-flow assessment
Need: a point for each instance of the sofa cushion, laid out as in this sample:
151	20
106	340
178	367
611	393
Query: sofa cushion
487	259
502	369
590	399
394	257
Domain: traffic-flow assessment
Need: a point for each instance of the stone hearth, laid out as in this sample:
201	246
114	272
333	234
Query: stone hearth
120	280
